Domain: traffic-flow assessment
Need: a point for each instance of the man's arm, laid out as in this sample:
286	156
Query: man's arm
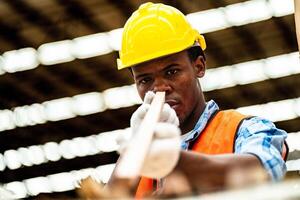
209	172
258	148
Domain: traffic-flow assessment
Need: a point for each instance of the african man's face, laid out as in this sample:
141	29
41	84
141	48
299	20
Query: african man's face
177	76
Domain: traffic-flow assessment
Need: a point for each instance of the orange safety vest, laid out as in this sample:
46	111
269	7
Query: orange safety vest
218	137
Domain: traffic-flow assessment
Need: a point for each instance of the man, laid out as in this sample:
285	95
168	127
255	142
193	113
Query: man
164	53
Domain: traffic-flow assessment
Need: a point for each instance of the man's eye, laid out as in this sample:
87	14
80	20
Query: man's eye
144	80
172	71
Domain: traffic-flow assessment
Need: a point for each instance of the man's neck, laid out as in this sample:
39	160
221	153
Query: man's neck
193	118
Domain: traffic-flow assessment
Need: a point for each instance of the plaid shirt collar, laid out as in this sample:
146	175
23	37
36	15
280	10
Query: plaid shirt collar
210	108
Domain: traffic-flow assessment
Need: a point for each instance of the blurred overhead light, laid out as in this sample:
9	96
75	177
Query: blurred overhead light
294	145
37	185
297	106
83	147
208	20
18	189
25	156
59	109
36	155
251	71
2	71
282	7
115	38
217	78
6	120
293	141
20	116
19	60
239	14
260	8
274	111
120	97
6	194
51	151
125	96
59	182
36	114
247	12
67	149
55	52
2	163
53	110
282	65
91	46
88	103
293	165
12	159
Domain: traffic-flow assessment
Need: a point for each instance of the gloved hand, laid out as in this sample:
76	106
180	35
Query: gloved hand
164	151
165	148
167	114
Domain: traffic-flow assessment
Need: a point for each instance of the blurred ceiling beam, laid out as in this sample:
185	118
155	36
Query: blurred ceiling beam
36	17
11	33
76	12
124	7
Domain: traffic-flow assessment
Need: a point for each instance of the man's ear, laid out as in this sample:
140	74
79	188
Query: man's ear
199	66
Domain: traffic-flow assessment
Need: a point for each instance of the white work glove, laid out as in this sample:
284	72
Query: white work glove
167	114
164	151
165	148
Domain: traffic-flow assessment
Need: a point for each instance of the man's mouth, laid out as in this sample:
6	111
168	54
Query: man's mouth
173	104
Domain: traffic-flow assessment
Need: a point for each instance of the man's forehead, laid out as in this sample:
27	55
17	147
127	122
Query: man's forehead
163	61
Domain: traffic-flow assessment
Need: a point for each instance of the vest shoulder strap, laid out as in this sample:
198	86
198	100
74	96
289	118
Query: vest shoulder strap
218	137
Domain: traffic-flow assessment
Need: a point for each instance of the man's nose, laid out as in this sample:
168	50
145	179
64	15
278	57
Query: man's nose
161	85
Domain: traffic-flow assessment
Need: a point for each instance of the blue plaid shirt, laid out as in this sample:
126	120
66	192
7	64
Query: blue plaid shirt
255	136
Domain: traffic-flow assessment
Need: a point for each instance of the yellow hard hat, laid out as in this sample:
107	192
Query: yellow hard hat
153	31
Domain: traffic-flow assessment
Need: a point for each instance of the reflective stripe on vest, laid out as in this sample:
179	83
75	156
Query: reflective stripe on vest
218	137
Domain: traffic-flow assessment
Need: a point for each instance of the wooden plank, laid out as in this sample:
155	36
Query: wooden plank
132	159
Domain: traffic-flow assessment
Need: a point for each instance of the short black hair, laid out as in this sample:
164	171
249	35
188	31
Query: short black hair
194	52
